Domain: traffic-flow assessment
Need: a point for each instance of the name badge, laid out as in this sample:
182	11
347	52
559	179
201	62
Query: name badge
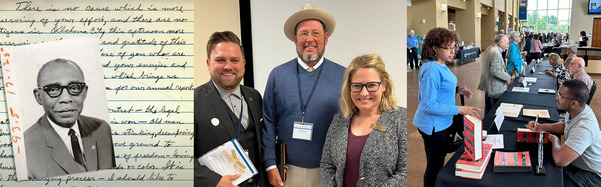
302	131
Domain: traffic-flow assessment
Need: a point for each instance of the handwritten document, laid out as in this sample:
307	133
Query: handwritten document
147	56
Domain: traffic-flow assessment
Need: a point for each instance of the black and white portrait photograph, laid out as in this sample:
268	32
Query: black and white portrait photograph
57	91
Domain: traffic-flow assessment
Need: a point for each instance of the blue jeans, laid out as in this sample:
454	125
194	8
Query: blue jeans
573	176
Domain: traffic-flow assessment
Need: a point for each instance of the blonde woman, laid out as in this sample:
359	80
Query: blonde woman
366	144
559	71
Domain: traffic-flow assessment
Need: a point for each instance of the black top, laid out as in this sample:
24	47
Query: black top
583	42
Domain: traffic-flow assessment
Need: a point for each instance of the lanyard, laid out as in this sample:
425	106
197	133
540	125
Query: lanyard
240	118
300	92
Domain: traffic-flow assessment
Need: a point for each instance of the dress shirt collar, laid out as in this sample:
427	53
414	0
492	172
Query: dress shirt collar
499	48
63	133
305	66
225	94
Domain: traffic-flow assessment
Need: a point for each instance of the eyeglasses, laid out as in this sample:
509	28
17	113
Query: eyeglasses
454	48
559	94
370	86
55	90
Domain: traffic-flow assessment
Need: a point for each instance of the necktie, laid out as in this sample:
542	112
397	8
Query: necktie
76	150
310	69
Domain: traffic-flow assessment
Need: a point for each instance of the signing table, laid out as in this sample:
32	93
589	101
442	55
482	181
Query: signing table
530	100
468	54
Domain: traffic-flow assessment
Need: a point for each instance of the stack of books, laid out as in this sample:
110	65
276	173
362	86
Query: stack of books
474	160
467	168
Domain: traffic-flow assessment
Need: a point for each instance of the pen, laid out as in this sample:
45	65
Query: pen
535	121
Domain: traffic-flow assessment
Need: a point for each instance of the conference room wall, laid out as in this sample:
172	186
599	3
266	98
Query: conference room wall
211	16
363	27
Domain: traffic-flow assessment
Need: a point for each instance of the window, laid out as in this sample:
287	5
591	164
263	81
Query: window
545	16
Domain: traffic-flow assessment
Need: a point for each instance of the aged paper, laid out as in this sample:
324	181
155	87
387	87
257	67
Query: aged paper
147	56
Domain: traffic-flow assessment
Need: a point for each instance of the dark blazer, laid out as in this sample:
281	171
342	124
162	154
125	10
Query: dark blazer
47	155
383	159
208	105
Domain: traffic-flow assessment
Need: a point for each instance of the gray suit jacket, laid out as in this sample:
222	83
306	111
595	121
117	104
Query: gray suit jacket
383	159
47	155
494	73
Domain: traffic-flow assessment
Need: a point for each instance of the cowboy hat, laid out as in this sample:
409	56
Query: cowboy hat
309	12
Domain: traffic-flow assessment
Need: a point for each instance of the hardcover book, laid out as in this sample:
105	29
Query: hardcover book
512	162
528	136
465	163
472	132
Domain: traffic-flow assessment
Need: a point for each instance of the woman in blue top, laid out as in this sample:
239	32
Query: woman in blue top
437	87
514	57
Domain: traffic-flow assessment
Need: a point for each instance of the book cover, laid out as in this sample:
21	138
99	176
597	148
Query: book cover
512	162
472	132
541	113
528	136
465	163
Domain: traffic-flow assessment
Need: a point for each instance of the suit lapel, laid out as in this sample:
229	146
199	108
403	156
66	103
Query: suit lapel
89	146
60	153
220	108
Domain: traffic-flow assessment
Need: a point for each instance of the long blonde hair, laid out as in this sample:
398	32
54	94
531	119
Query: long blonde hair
556	58
388	102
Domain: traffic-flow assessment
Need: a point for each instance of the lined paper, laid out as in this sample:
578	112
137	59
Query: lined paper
147	56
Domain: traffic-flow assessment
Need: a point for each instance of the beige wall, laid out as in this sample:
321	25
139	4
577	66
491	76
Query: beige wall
457	4
500	4
423	10
487	2
581	20
468	25
211	16
488	26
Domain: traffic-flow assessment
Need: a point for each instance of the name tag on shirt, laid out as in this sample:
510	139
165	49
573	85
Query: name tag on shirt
302	131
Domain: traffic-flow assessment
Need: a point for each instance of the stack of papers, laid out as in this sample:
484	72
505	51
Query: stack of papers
510	110
228	159
546	90
520	89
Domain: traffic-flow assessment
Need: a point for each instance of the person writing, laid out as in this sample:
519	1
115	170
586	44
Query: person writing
366	144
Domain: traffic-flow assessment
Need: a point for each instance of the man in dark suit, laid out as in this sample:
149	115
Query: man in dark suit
224	110
63	141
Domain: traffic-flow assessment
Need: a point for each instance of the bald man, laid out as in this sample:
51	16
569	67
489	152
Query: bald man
577	72
412	49
62	141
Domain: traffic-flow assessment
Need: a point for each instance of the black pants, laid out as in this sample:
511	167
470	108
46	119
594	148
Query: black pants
435	153
488	102
536	56
412	53
528	57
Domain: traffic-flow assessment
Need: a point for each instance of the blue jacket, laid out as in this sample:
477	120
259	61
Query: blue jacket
514	58
436	98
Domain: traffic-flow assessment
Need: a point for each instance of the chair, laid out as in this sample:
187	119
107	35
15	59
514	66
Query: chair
590	95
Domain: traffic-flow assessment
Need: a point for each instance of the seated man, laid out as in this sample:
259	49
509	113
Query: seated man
577	72
581	152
